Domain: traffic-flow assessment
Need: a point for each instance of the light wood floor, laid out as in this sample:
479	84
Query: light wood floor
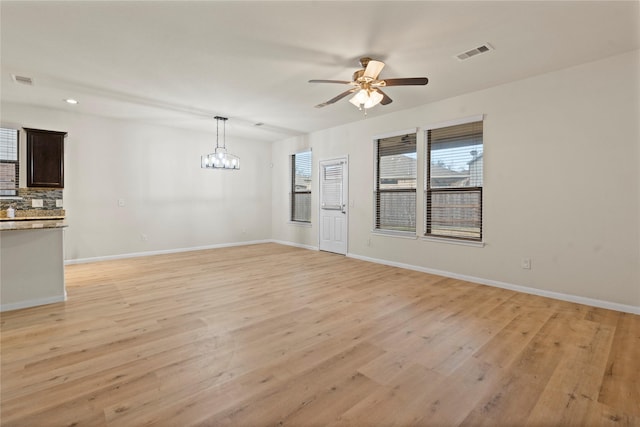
274	335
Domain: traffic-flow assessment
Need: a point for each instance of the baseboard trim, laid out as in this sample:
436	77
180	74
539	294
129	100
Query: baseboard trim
297	245
518	288
33	303
161	252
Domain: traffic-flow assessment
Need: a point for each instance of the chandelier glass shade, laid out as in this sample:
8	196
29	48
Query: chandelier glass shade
220	159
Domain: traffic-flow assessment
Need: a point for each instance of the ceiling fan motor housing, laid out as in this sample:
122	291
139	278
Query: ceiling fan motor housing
365	61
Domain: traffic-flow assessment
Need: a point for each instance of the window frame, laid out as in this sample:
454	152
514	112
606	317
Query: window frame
293	192
429	192
16	164
377	191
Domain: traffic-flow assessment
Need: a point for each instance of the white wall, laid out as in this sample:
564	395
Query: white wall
156	170
561	174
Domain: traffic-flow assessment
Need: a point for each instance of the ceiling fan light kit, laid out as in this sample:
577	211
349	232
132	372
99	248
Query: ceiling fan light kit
220	159
366	86
364	99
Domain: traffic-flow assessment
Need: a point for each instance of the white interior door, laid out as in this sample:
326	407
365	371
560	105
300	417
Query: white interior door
333	205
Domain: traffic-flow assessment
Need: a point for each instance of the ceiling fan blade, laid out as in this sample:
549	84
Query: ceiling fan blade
344	82
337	98
385	98
409	81
373	69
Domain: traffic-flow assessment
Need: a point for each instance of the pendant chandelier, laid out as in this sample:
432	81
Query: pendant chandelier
220	159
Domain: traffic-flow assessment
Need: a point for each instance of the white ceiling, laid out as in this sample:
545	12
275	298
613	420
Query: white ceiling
181	63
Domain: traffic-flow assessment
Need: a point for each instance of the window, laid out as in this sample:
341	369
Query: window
395	183
301	187
9	167
453	178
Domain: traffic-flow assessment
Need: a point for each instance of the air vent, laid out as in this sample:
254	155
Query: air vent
473	52
22	80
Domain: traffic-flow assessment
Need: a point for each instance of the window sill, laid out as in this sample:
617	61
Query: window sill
453	241
400	234
300	224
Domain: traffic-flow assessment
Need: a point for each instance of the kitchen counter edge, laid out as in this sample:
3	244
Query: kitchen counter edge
32	225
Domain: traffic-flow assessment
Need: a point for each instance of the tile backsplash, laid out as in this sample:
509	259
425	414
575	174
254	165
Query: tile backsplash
47	195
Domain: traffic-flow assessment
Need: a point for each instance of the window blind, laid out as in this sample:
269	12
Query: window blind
301	187
332	187
395	186
454	181
9	166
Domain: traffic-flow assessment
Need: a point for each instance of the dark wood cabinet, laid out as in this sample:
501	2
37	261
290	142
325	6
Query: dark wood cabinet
45	158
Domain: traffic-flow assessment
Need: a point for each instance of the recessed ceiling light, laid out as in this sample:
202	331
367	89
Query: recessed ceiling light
71	101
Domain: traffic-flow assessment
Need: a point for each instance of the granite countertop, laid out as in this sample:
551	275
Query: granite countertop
29	214
32	225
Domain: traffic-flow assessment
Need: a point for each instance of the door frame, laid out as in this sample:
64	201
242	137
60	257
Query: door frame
345	194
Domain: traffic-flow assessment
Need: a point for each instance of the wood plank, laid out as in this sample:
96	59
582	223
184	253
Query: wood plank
529	374
576	382
621	381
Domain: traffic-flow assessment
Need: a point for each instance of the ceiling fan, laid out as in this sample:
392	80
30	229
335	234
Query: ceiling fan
367	87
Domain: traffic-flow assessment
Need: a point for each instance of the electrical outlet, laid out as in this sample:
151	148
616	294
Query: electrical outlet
144	237
525	263
37	203
121	203
58	203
